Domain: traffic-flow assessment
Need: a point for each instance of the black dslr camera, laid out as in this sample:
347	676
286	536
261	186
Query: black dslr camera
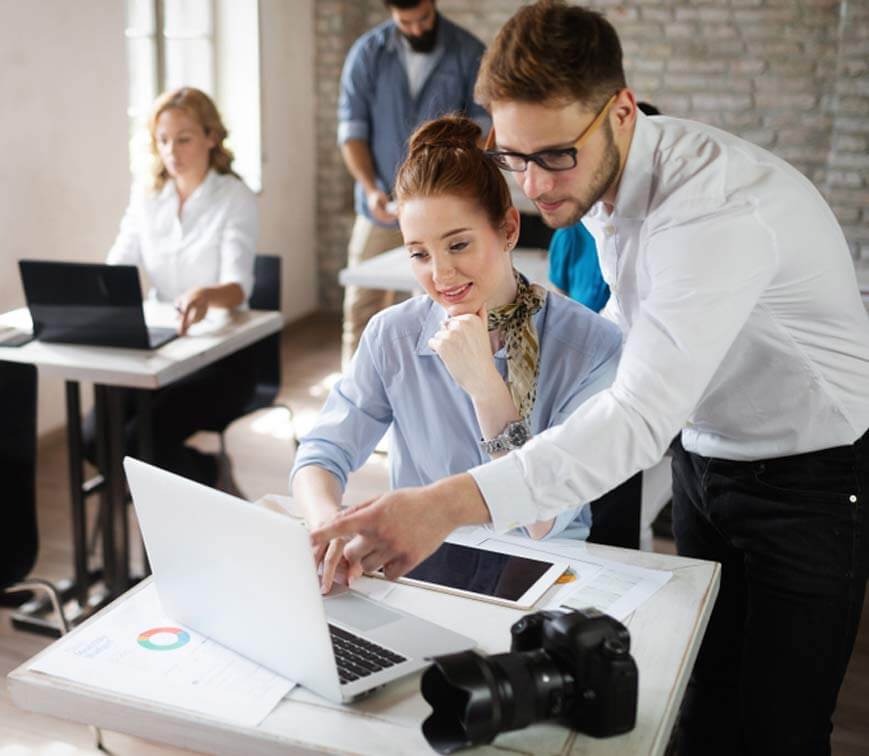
571	666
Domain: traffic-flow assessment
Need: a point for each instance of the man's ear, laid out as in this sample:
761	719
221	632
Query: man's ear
625	109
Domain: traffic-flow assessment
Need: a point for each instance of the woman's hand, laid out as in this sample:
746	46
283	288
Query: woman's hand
539	529
192	307
319	493
331	554
464	346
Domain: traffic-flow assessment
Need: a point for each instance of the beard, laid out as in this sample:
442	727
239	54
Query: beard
605	173
426	41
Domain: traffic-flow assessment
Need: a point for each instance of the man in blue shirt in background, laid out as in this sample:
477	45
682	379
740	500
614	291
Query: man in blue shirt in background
412	68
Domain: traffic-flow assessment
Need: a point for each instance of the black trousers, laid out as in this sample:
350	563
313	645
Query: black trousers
19	540
206	400
791	535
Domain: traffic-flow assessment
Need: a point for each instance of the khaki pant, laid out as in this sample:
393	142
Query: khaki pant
366	241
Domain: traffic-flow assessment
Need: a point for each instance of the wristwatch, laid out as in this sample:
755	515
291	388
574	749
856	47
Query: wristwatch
513	436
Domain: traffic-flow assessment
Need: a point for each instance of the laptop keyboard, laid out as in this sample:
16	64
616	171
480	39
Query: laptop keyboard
357	657
158	336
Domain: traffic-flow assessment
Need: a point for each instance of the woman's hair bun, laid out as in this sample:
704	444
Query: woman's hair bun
451	131
445	158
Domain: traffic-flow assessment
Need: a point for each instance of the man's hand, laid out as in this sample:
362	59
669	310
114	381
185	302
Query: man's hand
331	554
377	202
400	529
464	346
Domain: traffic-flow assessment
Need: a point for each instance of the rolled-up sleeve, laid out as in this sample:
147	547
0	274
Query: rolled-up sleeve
356	415
127	249
707	275
239	239
354	117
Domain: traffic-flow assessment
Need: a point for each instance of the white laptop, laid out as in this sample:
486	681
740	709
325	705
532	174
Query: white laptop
245	577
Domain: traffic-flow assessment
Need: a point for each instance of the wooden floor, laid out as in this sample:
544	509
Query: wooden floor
261	450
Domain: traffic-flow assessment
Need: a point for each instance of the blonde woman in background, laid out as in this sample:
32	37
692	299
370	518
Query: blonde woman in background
192	229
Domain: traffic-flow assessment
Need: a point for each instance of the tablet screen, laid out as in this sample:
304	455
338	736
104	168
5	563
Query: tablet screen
486	572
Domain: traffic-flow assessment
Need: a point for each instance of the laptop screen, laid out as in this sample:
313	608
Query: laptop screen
85	303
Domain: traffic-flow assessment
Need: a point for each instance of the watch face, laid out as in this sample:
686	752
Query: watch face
517	433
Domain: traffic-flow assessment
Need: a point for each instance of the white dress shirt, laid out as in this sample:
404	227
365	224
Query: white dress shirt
213	242
743	323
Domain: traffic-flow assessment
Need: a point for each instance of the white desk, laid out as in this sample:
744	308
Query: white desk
391	270
111	370
209	342
665	636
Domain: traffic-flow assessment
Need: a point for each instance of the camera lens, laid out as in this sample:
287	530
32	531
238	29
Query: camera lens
474	698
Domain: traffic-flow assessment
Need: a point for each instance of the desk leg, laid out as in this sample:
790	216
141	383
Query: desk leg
145	437
110	448
76	482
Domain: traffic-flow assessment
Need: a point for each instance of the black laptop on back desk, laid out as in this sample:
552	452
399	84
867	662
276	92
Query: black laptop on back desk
88	303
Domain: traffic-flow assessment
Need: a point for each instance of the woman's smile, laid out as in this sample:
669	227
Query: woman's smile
455	293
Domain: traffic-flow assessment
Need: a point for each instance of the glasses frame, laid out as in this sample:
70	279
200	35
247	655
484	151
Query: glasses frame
535	157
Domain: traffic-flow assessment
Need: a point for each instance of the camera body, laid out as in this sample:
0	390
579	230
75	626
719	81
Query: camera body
574	667
600	695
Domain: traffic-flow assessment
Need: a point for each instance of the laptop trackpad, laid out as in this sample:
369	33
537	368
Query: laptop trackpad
358	612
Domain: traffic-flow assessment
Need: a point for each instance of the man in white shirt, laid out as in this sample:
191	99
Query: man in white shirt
744	330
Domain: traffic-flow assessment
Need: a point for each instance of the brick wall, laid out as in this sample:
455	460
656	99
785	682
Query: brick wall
789	75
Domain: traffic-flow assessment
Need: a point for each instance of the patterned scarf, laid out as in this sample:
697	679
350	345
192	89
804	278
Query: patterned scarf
520	341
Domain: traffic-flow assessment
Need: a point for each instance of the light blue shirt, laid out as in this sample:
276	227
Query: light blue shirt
396	380
375	104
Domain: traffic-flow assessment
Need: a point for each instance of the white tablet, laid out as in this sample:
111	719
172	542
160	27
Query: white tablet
514	581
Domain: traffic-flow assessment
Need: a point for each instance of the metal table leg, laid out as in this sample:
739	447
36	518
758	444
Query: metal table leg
110	447
76	482
36	614
145	438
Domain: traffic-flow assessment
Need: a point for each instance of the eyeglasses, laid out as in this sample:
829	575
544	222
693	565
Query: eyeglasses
549	160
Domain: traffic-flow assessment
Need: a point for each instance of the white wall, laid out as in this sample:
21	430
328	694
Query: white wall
64	179
288	199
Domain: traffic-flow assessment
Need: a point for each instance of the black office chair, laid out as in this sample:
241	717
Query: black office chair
265	356
19	538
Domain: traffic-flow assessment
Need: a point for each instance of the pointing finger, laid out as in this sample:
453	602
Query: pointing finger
345	526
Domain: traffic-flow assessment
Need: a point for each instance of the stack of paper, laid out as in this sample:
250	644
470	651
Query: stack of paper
137	650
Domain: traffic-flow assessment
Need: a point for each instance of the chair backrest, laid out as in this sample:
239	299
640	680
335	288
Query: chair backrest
266	293
615	516
266	354
19	541
533	232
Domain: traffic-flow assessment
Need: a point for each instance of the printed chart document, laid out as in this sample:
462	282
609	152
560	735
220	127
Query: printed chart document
137	650
614	588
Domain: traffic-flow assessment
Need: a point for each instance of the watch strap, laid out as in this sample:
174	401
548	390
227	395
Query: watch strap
504	441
